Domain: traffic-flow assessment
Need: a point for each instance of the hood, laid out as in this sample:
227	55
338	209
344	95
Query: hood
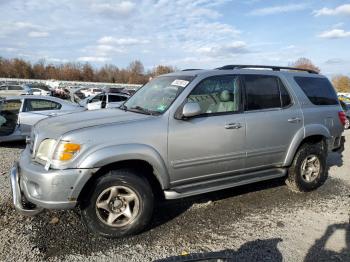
54	127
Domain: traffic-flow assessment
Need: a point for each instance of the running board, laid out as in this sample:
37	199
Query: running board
223	183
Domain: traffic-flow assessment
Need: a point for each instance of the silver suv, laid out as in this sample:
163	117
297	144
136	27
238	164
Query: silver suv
182	134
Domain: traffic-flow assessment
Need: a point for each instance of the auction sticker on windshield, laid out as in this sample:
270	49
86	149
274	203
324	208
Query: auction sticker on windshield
179	82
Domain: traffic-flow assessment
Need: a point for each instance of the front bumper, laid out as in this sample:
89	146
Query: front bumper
18	199
48	189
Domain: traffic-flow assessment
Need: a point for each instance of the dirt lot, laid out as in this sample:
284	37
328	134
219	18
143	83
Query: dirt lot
263	222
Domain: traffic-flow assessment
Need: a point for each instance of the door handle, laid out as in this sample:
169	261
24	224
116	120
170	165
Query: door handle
233	126
294	120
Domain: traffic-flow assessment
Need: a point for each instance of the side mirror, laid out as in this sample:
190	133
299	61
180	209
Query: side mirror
191	109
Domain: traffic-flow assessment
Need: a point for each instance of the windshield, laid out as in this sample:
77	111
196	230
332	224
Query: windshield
157	95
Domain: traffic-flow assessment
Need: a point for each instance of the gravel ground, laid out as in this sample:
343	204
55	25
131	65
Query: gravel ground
260	222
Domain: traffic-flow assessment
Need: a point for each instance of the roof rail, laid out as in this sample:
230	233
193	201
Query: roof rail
274	68
190	69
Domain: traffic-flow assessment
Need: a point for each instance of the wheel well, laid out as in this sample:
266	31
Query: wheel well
314	140
139	166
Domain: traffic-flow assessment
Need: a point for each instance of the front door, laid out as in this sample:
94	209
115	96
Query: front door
9	110
211	144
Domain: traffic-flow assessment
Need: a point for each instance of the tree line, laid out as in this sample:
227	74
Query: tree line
134	73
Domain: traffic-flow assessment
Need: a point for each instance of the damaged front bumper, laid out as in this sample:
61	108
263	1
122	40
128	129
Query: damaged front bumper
34	188
19	201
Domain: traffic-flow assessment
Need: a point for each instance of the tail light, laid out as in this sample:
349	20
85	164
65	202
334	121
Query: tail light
342	117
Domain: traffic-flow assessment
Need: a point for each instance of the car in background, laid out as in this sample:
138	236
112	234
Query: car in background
14	90
19	113
39	89
104	100
40	92
346	108
91	91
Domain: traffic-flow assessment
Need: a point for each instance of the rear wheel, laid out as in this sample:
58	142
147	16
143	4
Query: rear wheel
120	204
308	170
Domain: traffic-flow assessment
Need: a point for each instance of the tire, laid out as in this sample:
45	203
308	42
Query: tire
119	204
303	176
347	123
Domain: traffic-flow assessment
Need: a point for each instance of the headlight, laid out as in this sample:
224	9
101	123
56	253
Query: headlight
66	151
45	149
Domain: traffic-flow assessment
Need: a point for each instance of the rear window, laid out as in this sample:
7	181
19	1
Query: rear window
318	90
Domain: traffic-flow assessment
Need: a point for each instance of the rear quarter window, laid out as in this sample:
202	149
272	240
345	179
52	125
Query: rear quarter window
319	90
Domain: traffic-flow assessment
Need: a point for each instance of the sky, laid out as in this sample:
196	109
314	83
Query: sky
181	33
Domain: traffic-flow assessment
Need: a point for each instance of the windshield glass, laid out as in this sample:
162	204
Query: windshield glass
157	95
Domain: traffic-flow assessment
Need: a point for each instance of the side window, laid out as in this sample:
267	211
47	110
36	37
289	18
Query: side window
262	92
97	98
285	97
219	94
15	88
116	98
2	88
318	90
40	105
10	105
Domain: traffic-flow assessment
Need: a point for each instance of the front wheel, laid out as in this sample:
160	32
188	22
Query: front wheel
308	170
120	204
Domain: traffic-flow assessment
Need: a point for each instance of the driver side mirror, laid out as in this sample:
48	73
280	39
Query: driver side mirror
191	109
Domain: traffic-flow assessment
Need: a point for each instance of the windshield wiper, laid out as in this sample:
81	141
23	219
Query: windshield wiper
143	110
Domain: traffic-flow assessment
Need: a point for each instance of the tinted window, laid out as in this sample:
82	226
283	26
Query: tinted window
262	92
40	105
3	88
285	98
217	94
114	98
318	90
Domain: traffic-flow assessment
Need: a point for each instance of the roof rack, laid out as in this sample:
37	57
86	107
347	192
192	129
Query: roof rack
190	69
274	68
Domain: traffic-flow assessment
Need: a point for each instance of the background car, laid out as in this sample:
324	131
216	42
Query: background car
91	91
14	90
346	108
104	100
18	114
39	89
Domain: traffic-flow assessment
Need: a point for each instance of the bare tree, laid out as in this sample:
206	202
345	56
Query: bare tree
305	63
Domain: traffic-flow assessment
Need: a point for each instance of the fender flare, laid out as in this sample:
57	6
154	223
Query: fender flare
112	154
306	131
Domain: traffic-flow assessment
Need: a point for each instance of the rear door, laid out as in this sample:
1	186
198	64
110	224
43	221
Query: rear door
272	119
33	111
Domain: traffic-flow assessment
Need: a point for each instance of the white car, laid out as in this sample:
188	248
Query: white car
40	92
19	113
91	91
104	100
